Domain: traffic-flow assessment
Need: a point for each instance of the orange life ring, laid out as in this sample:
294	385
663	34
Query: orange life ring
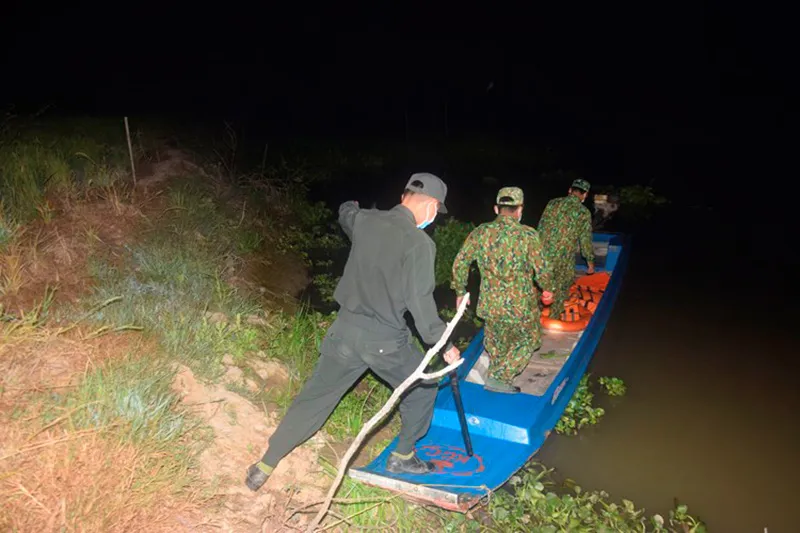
561	325
576	319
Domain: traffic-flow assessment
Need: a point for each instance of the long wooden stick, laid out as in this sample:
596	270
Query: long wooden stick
418	374
130	150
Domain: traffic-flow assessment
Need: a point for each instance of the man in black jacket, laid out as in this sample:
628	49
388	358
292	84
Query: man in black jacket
389	271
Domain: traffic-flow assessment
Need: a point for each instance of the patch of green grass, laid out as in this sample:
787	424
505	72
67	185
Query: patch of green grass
172	284
8	228
296	345
131	400
59	158
171	293
231	228
115	446
374	508
134	392
249	241
357	407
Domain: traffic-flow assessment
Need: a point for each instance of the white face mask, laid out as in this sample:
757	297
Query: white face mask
427	222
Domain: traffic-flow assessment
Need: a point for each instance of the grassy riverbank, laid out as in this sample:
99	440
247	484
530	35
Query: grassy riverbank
153	335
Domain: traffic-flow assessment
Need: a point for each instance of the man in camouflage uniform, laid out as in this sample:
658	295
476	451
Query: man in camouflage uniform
509	256
565	224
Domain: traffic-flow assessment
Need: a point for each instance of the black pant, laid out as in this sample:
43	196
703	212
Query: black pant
346	353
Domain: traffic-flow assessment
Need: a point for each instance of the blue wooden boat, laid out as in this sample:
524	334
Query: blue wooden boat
506	429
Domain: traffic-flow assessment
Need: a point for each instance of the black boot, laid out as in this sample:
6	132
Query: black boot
257	475
398	464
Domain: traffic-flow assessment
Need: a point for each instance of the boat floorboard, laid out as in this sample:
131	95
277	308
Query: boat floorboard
547	362
543	366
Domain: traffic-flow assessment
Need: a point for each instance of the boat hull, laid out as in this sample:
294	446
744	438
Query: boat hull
506	429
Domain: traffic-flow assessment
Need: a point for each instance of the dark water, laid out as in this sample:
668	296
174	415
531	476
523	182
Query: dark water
703	338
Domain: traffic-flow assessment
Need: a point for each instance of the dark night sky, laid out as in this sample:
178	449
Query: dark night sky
687	91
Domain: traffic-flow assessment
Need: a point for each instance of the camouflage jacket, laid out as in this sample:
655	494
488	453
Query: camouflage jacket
509	256
565	224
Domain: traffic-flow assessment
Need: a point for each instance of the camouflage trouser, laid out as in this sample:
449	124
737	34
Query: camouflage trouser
511	344
563	277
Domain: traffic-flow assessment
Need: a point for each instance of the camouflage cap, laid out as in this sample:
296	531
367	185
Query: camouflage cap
581	184
515	193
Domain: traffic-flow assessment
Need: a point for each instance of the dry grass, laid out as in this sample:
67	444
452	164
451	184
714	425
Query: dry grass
12	265
84	480
37	359
61	467
82	440
12	268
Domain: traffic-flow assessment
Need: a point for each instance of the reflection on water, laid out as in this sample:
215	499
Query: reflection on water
706	353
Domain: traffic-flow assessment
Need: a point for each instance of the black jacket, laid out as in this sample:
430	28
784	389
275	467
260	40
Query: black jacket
389	271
